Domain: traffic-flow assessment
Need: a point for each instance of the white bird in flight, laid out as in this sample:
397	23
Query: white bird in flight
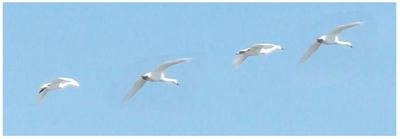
331	38
157	75
58	83
256	49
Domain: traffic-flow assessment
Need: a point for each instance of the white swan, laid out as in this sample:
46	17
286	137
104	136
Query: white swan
331	38
256	49
58	83
157	75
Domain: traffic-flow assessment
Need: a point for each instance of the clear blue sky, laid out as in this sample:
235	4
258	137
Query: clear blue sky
339	91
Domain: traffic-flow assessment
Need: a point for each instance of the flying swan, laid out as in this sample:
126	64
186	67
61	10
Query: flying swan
58	83
254	50
157	75
331	38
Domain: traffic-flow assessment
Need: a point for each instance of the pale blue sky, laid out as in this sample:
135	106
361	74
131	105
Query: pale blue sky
339	91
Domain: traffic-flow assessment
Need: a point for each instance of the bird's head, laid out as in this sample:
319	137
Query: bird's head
43	87
146	76
348	44
321	39
75	84
176	82
279	47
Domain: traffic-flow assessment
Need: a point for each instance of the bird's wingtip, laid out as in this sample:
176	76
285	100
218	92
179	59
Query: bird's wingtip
359	22
187	58
39	99
125	100
301	61
235	65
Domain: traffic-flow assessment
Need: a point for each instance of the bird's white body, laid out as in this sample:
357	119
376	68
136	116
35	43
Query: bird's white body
157	75
59	83
255	50
332	38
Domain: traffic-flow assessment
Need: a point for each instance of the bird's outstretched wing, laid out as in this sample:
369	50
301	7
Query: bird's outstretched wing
239	60
62	79
259	47
340	28
139	84
42	92
63	82
314	47
165	65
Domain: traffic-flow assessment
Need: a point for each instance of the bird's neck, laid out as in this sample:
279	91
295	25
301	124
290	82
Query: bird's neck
169	80
343	43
